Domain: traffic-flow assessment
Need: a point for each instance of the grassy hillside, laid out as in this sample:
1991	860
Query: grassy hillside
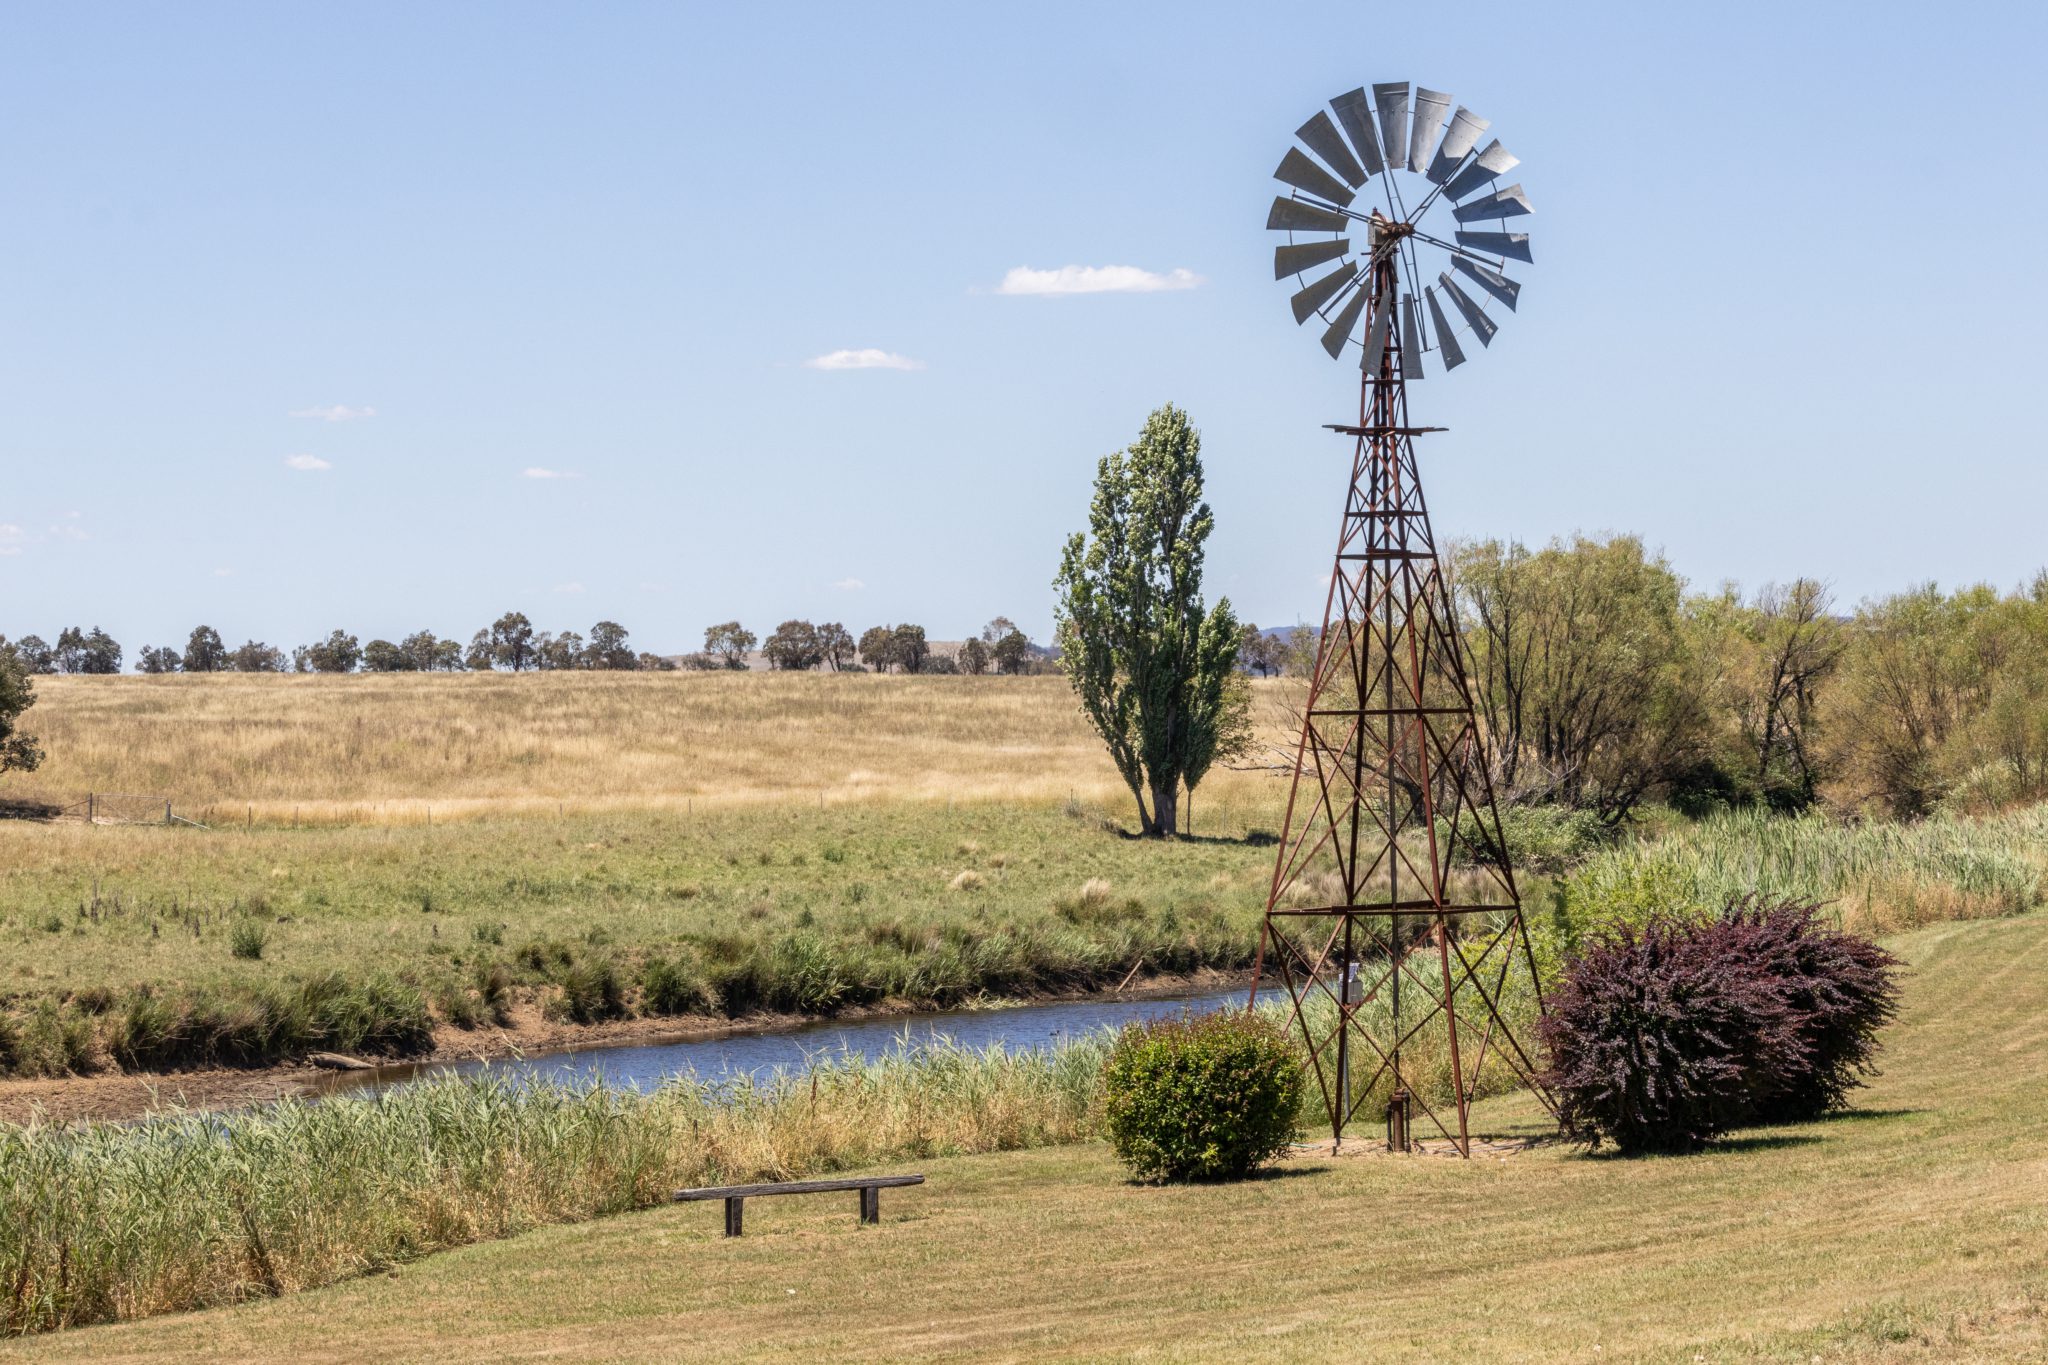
605	845
1910	1229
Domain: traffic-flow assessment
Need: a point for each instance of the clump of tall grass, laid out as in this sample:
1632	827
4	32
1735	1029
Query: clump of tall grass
108	1222
1884	877
148	1029
248	939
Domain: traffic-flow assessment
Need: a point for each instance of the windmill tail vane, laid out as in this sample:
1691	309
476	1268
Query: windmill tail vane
1393	922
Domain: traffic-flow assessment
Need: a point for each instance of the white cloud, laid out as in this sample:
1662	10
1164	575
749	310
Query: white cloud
849	585
339	412
570	588
223	573
306	463
1095	279
869	359
10	549
9	531
536	472
69	532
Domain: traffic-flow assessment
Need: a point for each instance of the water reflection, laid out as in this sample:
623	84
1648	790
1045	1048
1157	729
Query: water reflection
760	1055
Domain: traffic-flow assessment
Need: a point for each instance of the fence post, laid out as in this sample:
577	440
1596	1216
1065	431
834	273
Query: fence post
91	801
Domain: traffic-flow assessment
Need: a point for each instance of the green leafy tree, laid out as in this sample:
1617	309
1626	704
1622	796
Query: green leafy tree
1260	653
562	651
1586	672
911	651
419	647
511	641
656	663
253	656
381	656
35	655
18	752
794	645
1150	664
1011	653
155	660
481	656
92	651
835	641
729	643
878	648
608	647
204	652
338	653
973	657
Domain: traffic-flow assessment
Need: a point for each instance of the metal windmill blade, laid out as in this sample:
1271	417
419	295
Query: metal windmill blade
1492	163
1354	111
1459	140
1489	279
1292	215
1322	138
1514	244
1391	97
1345	324
1297	170
1411	339
1483	327
1310	301
1293	260
1508	203
1429	125
1453	355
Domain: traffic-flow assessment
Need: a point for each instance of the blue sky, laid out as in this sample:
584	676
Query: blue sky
1784	317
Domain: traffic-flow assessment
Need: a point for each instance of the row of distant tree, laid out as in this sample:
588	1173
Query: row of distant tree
511	643
801	645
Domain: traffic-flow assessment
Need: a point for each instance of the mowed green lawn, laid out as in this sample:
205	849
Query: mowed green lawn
1914	1228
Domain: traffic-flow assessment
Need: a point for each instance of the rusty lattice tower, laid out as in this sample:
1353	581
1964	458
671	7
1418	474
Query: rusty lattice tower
1393	921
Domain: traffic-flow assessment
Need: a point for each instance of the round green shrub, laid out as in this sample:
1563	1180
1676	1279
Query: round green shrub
1210	1097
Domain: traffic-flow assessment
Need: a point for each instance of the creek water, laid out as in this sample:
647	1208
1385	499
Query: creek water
758	1056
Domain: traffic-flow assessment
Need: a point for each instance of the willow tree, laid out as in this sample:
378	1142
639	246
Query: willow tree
1154	670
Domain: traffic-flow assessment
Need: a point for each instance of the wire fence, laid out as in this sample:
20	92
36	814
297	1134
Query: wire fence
98	808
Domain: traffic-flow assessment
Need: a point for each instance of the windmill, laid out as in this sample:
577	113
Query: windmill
1393	921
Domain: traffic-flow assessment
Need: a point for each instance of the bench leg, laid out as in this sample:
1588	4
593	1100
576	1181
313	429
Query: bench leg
870	1205
732	1216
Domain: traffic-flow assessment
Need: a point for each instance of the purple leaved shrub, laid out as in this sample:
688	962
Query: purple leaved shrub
1664	1036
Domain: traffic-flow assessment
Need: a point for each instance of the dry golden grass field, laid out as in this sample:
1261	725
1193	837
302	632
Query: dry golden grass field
384	748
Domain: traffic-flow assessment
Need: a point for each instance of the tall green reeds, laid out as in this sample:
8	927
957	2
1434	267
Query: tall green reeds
107	1222
1883	877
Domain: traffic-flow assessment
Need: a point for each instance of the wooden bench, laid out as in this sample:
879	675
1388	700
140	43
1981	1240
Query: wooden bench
736	1196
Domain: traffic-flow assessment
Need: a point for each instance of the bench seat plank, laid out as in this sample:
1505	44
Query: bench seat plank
867	1182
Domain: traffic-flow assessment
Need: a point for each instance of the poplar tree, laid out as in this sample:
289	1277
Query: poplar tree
1154	670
